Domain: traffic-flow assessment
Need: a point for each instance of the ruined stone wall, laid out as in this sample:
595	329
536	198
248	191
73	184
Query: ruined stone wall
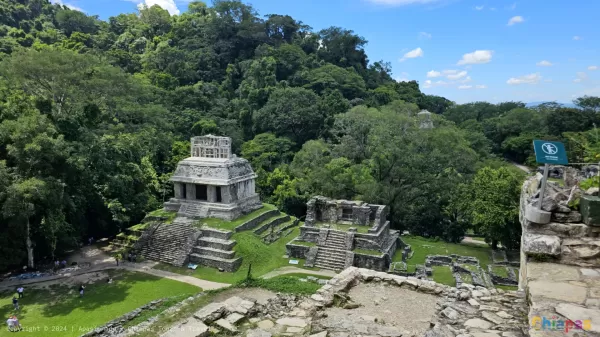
374	262
296	251
558	233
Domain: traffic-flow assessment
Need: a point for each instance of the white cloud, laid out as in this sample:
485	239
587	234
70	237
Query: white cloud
424	35
457	75
401	2
526	79
465	87
581	76
493	8
466	80
402	79
593	68
168	5
449	71
476	57
544	63
433	74
68	5
478	8
515	19
430	84
481	86
412	54
512	7
577	38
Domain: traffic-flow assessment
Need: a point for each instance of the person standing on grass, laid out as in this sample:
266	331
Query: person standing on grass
117	258
15	303
20	291
81	288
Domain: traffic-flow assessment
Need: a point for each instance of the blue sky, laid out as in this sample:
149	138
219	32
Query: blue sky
464	50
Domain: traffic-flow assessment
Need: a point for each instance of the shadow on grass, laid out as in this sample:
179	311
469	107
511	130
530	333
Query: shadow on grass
61	300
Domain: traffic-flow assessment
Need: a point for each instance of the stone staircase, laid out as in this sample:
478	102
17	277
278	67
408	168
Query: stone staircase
168	243
214	248
332	252
190	210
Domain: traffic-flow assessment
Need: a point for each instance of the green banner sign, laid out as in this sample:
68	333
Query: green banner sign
547	152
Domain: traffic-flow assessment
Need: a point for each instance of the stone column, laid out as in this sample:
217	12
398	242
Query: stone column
191	191
211	193
178	188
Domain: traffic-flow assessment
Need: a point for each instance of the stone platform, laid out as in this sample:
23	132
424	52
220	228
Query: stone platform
563	292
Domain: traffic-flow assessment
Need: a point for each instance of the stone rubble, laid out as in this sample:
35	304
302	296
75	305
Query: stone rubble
466	311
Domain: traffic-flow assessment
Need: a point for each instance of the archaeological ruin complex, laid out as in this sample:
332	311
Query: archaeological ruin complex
340	233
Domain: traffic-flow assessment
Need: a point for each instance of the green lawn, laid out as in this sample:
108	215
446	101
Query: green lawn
443	275
423	247
500	271
305	275
58	310
231	225
304	243
263	258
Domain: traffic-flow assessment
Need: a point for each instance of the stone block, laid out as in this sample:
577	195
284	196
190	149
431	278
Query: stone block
571	217
589	317
226	325
541	244
561	291
191	328
210	313
590	210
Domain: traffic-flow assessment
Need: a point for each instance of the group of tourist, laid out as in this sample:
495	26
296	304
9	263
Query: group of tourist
60	264
13	321
14	324
131	257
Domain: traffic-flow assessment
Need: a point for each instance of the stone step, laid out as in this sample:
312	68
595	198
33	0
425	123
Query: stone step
224	254
329	266
327	250
228	265
330	261
215	233
216	243
271	222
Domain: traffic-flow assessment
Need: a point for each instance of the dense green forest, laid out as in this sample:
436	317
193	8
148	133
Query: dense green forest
95	115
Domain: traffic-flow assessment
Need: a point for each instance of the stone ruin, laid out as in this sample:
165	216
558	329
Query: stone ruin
560	253
213	182
334	229
362	302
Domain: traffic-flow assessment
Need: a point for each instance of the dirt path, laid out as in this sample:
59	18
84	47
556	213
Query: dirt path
469	239
95	260
295	270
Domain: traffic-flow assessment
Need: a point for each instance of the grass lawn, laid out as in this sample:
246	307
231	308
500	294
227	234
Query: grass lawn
285	284
305	275
423	247
231	225
305	243
500	271
508	288
443	275
58	310
477	238
263	258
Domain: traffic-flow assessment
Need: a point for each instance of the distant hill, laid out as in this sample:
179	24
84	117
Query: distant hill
566	105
